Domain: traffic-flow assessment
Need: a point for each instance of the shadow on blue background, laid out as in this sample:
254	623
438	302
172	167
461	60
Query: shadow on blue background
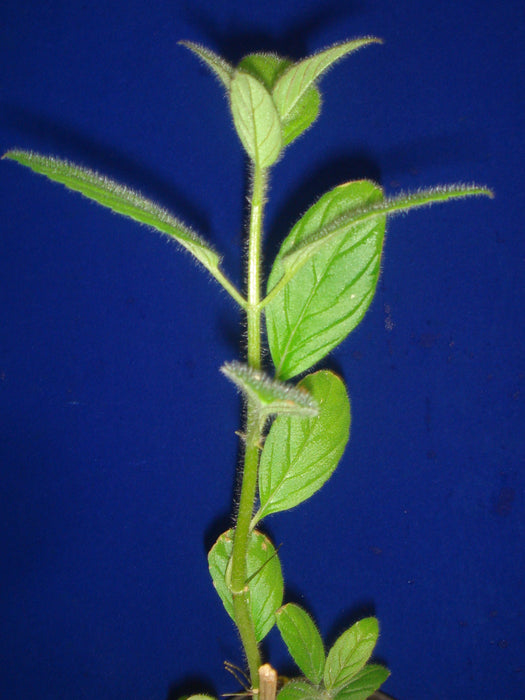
117	442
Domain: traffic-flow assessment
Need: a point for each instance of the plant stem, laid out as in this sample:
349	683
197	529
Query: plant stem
253	432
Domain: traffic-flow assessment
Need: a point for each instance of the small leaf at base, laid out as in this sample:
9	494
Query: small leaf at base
350	653
303	640
364	683
299	689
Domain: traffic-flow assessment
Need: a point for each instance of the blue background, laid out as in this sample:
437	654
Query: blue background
117	442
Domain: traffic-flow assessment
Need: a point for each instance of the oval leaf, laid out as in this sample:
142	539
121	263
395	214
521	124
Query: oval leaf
265	578
350	653
300	454
364	683
303	640
330	292
256	119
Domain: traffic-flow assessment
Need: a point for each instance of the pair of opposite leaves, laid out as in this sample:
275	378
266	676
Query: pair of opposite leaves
325	275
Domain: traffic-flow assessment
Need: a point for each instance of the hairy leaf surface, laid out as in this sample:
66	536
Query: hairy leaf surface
307	246
256	119
350	653
328	294
303	640
222	69
271	396
119	199
264	578
300	77
300	454
268	68
265	67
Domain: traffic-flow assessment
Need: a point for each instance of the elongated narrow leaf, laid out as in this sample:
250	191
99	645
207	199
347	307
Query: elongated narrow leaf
303	640
265	578
300	77
364	683
222	69
327	295
119	199
306	246
300	454
350	653
299	689
272	397
256	119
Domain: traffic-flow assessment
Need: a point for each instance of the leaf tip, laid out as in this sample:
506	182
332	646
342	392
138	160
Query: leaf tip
11	154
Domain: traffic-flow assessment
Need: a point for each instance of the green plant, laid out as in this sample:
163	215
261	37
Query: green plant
320	285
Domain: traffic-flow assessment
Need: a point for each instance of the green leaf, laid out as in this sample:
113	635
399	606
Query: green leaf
222	69
119	199
326	294
305	113
364	683
401	204
350	653
301	76
300	690
268	68
264	578
271	396
303	640
300	454
256	119
265	67
199	696
326	272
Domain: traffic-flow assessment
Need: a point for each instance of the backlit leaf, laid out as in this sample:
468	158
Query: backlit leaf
264	578
300	454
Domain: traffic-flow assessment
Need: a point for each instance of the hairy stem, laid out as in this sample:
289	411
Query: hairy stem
253	432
